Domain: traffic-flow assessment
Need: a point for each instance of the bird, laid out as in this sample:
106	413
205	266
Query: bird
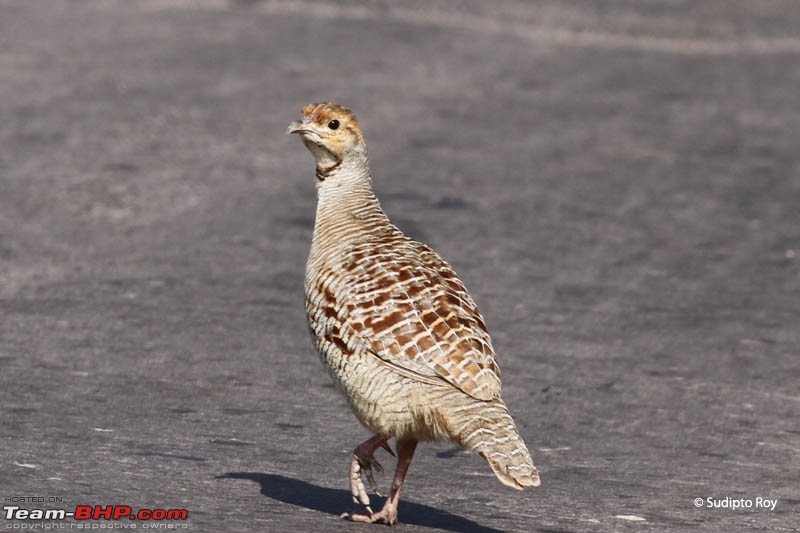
395	326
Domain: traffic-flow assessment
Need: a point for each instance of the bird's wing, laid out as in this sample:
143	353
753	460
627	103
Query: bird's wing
410	309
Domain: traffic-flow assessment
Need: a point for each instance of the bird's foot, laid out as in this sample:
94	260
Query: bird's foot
362	464
387	515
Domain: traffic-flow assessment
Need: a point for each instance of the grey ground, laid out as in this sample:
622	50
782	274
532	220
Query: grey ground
618	183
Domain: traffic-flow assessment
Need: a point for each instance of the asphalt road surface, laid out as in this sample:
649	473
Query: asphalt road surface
618	184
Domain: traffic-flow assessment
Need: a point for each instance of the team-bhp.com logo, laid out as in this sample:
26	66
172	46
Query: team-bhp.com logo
95	512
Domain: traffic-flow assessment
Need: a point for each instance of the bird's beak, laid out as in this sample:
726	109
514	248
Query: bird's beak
298	126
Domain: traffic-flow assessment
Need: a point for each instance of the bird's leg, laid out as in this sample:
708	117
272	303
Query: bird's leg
364	461
388	515
371	461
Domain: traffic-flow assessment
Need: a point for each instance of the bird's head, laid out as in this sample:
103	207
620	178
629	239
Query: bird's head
331	133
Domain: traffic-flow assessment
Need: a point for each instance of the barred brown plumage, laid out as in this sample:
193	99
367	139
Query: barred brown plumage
395	326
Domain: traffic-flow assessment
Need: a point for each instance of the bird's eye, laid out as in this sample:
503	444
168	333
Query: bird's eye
333	124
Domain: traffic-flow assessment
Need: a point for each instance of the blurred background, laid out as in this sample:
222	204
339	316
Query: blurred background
617	182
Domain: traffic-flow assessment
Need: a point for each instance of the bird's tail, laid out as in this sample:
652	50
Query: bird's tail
488	429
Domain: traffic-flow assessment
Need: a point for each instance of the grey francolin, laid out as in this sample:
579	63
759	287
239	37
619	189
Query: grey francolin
395	327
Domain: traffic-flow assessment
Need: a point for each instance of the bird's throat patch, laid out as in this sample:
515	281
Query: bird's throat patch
324	172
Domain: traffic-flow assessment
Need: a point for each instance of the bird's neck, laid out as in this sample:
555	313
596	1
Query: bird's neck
347	209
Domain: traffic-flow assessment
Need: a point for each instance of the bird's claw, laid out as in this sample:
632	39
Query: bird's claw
387	515
388	449
371	481
363	464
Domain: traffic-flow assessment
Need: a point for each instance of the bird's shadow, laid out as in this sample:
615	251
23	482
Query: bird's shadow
334	502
